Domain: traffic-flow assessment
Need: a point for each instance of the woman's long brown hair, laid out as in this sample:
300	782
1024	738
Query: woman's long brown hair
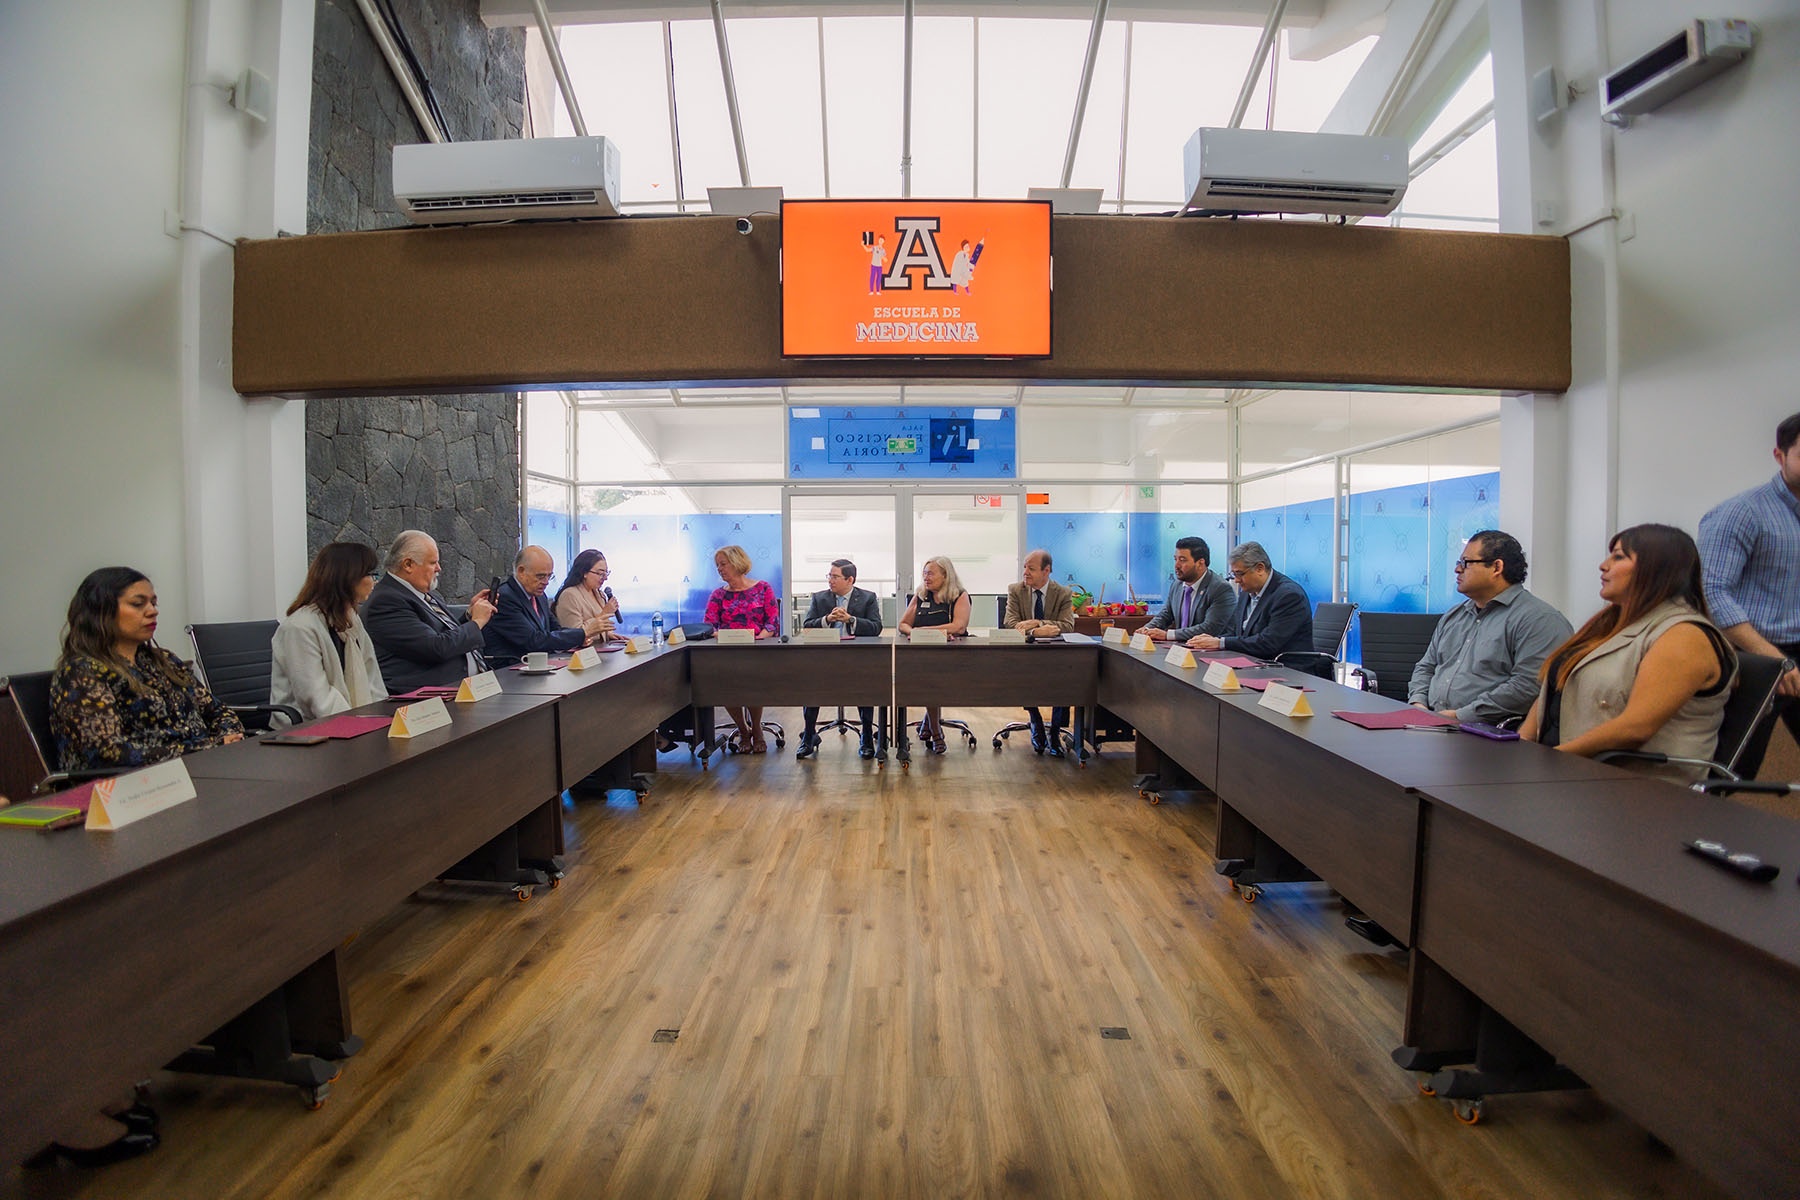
1667	568
331	581
93	628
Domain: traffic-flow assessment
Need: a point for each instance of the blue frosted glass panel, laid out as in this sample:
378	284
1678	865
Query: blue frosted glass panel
646	565
1087	548
1390	542
551	531
1153	538
1307	556
1459	507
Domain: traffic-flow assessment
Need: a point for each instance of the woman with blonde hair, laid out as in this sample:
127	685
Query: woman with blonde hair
743	603
941	602
1649	671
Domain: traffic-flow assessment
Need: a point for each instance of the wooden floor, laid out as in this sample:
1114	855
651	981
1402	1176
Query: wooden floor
885	984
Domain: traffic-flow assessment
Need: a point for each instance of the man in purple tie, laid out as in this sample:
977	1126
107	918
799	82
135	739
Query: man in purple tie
1199	601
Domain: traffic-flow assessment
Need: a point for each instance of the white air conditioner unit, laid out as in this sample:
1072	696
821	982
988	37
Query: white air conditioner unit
1264	171
509	180
1698	52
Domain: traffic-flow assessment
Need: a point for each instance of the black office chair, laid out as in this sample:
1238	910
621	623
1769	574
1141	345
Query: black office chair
1392	645
234	660
27	747
1331	623
1749	719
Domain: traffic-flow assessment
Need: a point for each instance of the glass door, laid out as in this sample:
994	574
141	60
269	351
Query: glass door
826	526
982	533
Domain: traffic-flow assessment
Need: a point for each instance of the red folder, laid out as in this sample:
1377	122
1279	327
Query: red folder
346	727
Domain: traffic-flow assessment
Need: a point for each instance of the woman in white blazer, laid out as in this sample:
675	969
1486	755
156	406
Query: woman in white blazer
324	661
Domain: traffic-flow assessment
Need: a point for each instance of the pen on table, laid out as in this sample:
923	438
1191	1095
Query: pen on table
1435	728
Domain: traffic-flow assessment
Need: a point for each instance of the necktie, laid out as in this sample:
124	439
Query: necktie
534	607
1249	611
431	602
1187	606
1037	604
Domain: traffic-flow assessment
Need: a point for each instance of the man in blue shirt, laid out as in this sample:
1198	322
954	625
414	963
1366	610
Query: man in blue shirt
1750	555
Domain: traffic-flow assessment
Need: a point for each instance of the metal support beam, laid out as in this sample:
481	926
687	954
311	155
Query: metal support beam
1416	54
975	107
1270	28
906	93
824	114
1450	141
409	86
1125	113
1081	92
731	104
674	124
554	49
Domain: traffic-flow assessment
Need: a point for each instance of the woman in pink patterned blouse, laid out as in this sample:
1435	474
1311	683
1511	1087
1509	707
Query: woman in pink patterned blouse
743	603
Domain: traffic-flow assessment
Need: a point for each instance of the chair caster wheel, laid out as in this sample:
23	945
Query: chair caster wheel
1248	893
1233	883
1155	798
314	1097
522	893
1425	1088
555	882
1469	1112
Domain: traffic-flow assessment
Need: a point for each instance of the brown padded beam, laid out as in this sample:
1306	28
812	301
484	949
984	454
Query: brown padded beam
689	300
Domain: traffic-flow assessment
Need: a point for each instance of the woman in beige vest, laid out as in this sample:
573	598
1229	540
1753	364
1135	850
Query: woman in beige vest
584	594
1647	672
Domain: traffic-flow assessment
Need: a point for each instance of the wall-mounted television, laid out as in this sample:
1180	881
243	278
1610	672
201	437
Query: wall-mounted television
915	278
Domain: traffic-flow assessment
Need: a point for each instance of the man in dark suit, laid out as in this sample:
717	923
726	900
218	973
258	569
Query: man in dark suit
524	621
1041	607
417	641
849	609
1199	601
1273	615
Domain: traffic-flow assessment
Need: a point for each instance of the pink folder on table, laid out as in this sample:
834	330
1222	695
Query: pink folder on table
1405	718
1236	662
1262	685
346	727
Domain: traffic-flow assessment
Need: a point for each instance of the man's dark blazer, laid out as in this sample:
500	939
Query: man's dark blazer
515	631
1212	611
1282	620
415	648
863	607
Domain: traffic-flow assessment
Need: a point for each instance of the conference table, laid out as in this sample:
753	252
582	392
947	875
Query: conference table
1550	889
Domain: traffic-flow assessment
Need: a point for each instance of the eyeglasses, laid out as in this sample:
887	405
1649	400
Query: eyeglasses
1463	564
602	572
539	575
1240	574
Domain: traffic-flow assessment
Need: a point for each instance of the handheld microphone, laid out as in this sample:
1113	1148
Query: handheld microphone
607	592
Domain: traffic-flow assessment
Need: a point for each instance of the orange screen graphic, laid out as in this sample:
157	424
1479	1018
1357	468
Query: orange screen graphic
915	278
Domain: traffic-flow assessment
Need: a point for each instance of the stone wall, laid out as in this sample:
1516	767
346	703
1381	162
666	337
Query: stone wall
446	464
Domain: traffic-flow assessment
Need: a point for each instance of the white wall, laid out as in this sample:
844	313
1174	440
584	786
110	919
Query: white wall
124	442
1686	315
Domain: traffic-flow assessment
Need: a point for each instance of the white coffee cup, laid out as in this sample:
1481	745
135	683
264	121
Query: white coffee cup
537	660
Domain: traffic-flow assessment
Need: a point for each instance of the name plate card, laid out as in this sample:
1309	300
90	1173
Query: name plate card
828	635
640	643
1180	656
1288	701
1116	635
422	716
1141	642
119	801
736	637
1008	637
1222	677
582	659
478	687
676	637
934	636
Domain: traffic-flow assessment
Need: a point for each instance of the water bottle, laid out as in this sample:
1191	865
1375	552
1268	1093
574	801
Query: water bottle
656	638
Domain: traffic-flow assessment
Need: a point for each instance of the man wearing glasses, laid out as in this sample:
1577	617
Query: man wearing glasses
1274	615
1483	660
853	612
523	621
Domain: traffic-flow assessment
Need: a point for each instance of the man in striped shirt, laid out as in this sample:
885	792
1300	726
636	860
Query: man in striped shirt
1750	553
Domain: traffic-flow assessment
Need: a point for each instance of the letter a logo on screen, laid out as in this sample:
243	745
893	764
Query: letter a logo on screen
915	278
918	249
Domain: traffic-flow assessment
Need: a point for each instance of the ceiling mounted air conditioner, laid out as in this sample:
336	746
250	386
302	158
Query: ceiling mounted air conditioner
508	180
1272	171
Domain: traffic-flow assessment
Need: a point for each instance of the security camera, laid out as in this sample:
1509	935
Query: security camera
744	226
